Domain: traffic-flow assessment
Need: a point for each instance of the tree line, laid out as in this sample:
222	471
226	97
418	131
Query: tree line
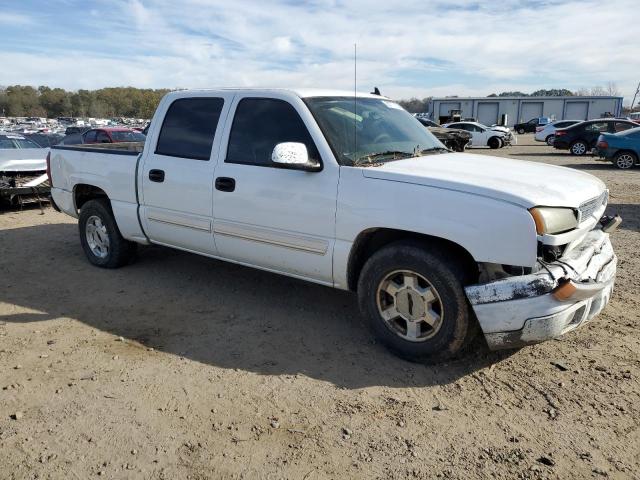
43	101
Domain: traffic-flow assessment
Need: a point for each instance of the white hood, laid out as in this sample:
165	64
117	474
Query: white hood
23	160
524	183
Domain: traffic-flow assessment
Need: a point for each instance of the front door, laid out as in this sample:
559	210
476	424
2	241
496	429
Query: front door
278	219
177	173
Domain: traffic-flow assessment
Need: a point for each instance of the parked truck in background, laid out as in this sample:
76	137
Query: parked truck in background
352	193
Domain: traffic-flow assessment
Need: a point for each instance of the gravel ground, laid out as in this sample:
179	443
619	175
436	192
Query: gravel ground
180	366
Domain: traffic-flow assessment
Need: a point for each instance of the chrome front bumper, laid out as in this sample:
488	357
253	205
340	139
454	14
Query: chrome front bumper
527	309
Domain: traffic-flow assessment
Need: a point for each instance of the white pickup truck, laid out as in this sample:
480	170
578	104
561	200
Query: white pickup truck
353	193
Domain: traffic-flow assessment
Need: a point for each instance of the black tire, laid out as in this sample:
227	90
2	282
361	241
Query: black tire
521	131
443	275
578	148
120	251
494	143
550	139
625	160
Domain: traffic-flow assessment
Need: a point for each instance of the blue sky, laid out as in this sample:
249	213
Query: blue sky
409	48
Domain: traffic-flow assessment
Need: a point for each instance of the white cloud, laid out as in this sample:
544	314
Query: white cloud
417	47
11	19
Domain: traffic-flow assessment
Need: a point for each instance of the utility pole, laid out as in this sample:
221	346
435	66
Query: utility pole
634	96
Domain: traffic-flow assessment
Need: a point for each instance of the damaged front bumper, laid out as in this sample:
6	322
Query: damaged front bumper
560	297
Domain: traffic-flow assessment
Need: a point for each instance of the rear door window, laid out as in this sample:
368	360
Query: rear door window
622	126
189	128
597	127
90	136
102	137
262	123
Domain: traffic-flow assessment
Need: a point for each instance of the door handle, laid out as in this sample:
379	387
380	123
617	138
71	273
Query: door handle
225	184
156	176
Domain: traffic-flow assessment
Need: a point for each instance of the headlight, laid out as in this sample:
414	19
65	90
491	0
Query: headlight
553	220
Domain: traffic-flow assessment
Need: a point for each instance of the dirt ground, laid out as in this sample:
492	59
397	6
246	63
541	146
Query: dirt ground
180	366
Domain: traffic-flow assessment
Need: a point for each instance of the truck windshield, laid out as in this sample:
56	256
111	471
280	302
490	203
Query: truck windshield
365	131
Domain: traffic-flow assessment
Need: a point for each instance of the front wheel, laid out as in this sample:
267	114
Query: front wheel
625	160
521	131
100	237
494	142
414	301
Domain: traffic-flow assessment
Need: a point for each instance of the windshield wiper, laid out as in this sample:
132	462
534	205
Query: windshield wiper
394	154
434	149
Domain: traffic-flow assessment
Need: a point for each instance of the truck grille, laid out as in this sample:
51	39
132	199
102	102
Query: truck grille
589	207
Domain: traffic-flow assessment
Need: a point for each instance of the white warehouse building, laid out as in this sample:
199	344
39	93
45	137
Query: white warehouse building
490	110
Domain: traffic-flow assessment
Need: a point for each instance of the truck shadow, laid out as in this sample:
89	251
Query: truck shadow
210	311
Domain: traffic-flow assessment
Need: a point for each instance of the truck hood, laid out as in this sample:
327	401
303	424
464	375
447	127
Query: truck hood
524	183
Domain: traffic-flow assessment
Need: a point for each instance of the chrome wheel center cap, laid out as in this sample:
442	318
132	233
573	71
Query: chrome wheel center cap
410	304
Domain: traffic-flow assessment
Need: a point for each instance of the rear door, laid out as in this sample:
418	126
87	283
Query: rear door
177	173
278	219
593	130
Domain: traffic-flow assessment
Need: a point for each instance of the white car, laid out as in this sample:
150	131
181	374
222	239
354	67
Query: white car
547	133
483	136
302	184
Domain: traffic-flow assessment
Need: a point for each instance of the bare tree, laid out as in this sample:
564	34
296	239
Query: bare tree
612	89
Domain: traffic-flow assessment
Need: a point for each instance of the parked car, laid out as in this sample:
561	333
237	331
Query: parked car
622	149
75	129
547	132
112	135
530	126
22	169
453	138
581	138
45	140
481	135
277	180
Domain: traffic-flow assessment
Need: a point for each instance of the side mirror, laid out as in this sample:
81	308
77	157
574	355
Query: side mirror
294	156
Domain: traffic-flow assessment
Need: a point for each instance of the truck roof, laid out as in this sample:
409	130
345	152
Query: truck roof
299	92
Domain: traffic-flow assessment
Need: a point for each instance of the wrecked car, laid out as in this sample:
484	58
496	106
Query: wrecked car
23	166
352	193
453	138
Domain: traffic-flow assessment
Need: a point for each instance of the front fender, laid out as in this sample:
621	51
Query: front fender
491	230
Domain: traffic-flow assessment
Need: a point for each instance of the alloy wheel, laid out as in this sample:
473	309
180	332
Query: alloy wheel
409	305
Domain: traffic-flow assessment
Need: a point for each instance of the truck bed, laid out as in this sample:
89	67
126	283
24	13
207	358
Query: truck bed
110	167
124	148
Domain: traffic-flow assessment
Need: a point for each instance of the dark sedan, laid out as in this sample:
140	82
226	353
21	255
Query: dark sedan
581	138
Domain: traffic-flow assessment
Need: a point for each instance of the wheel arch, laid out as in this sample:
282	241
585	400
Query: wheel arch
627	150
371	240
83	192
497	137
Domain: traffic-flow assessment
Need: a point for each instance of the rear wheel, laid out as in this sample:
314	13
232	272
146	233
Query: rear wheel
494	142
550	139
578	148
625	160
521	131
100	237
414	301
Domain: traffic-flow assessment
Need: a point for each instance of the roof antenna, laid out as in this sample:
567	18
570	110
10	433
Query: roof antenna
355	104
376	91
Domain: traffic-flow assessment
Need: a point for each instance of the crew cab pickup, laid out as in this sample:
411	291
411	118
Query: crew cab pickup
352	192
